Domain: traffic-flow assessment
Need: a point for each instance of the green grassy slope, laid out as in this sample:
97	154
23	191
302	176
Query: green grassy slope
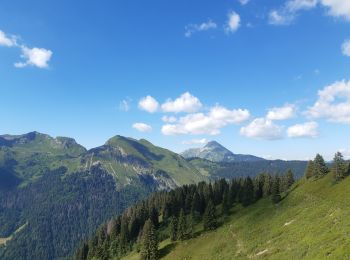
312	222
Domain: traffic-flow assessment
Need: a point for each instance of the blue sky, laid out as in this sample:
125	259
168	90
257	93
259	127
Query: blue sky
269	79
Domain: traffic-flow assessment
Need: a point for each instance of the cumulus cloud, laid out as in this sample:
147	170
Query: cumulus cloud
338	8
142	127
281	113
193	28
308	130
185	103
196	141
210	123
37	57
287	13
333	103
169	119
148	104
262	128
233	22
7	41
345	48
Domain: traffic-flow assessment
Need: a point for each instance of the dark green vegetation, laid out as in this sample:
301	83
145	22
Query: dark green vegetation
215	152
54	193
174	214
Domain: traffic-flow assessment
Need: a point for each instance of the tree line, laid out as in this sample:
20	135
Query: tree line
318	167
174	214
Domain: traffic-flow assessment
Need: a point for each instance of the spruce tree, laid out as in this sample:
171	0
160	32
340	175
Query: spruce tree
149	249
310	170
275	191
339	167
190	225
320	167
267	184
173	228
182	226
248	192
289	178
225	205
209	218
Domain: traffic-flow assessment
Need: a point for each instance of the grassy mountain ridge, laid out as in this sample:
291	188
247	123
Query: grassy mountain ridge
311	222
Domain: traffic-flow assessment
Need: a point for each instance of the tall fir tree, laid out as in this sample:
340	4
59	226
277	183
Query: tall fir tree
149	250
310	170
275	190
248	192
225	205
209	218
320	167
267	184
182	226
173	228
339	168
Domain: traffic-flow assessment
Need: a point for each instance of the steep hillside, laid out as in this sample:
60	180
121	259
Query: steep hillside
215	152
311	222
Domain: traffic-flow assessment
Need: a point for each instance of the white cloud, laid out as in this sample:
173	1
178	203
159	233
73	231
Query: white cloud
287	13
244	2
6	40
233	23
309	129
185	103
296	5
346	48
37	57
196	141
210	123
281	113
148	104
142	127
333	103
338	8
277	17
169	119
262	128
124	105
192	28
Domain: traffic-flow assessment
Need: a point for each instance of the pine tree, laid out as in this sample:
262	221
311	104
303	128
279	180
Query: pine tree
320	167
209	218
182	226
275	191
149	249
248	192
339	167
289	178
173	228
310	170
190	225
225	206
154	216
267	185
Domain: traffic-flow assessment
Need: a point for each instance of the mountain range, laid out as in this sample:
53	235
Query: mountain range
54	193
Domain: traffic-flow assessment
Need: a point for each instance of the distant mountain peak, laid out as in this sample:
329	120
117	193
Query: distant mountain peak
214	151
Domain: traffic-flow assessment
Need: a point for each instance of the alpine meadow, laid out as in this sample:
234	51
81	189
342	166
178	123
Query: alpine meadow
209	130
